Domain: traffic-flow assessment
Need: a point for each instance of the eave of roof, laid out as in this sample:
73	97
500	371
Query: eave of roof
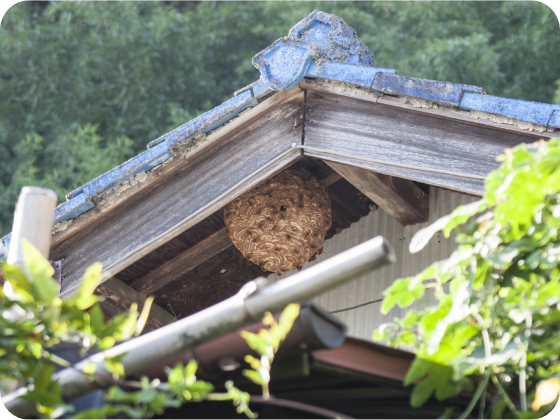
320	46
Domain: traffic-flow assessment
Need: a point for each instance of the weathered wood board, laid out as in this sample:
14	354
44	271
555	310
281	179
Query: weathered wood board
182	263
209	181
376	131
399	197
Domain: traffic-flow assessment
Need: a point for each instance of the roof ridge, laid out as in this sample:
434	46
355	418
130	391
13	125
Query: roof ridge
323	46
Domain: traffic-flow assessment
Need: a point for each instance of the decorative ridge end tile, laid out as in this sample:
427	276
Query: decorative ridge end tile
320	37
331	39
283	64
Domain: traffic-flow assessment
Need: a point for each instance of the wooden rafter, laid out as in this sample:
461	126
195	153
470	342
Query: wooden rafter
401	198
182	263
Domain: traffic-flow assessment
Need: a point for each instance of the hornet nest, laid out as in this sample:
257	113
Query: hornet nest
281	223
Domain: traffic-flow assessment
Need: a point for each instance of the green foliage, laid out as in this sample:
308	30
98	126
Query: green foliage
34	320
266	344
88	84
497	308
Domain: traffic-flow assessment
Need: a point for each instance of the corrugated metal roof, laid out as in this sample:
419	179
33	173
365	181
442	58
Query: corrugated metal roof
320	46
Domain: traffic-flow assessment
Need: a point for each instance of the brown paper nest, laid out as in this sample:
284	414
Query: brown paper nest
281	223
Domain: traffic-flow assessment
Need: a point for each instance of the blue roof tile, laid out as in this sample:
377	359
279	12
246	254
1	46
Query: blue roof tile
533	112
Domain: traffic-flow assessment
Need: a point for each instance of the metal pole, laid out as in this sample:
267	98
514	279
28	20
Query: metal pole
33	221
248	305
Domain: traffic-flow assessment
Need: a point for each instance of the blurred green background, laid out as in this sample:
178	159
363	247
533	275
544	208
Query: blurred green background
85	86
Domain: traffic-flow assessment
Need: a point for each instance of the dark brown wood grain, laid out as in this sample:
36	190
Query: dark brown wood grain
153	217
211	282
182	263
372	130
401	198
173	248
348	209
348	204
119	297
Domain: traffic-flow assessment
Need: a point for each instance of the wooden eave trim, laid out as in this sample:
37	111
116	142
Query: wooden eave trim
159	174
366	95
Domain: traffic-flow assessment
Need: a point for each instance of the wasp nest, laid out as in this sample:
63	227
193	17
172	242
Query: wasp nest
282	223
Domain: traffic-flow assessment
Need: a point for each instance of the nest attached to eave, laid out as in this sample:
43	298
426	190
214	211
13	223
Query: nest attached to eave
281	223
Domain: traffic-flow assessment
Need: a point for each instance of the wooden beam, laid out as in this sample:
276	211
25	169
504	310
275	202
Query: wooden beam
330	179
119	297
220	172
182	263
341	89
401	198
401	136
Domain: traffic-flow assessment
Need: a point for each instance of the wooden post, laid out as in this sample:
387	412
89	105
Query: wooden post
33	220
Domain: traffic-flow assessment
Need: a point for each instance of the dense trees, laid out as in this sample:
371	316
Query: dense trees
86	85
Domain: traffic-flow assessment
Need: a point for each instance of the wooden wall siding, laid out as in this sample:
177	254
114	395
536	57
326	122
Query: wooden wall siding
363	320
376	131
118	238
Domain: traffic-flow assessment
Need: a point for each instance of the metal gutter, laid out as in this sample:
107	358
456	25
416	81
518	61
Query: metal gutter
313	329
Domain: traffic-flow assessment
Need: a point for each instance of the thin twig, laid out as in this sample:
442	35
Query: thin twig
296	405
504	395
482	405
485	338
477	394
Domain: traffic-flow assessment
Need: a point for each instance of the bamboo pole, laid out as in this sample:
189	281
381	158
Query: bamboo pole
33	221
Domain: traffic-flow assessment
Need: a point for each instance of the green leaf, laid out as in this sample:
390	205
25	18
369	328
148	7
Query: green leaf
89	368
191	368
84	298
504	256
18	281
106	343
498	410
176	375
46	398
400	293
96	320
43	379
447	223
114	365
447	413
255	342
44	287
434	378
254	376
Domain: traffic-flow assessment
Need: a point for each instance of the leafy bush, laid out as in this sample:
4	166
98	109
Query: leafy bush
34	320
497	315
